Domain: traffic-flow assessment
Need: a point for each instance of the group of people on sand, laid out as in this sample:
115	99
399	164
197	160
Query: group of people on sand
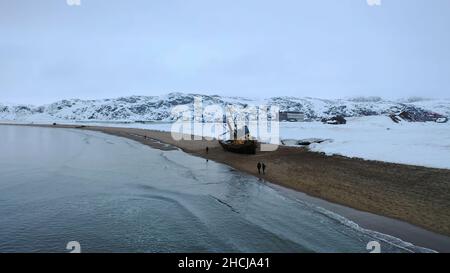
261	167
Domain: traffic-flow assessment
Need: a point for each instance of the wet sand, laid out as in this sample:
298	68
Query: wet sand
357	189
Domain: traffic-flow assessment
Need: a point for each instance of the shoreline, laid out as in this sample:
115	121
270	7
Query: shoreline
394	219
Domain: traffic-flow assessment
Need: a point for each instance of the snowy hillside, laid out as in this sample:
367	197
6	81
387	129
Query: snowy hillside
158	108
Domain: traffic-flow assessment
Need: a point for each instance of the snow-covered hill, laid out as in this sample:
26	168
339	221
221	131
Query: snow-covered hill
158	108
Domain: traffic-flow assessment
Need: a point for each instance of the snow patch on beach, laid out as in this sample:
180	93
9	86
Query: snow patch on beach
378	138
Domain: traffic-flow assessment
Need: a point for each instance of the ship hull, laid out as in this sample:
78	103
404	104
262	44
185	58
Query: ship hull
248	147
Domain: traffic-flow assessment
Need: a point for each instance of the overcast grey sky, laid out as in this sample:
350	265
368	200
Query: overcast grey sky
320	48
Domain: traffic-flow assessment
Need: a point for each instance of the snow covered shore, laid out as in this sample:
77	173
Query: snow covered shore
378	138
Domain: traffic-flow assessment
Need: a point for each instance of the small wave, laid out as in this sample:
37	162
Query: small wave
388	239
188	171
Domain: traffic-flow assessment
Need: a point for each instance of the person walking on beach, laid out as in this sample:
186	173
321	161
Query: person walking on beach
259	167
207	149
263	168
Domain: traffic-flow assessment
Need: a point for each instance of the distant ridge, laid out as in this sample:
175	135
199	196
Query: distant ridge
158	108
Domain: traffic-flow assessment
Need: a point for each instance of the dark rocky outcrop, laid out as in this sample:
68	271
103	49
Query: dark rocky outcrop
336	120
416	114
395	118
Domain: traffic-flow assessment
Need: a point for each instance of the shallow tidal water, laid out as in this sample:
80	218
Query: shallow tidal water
113	194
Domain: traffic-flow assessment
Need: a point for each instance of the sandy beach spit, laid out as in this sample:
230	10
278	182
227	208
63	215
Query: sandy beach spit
414	194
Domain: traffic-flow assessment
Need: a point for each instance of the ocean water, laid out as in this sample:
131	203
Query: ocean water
113	194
